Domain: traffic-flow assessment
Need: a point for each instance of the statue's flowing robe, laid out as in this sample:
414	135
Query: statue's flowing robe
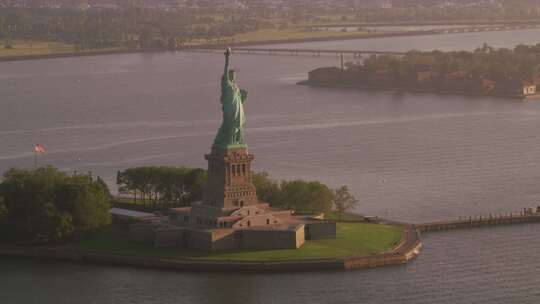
231	131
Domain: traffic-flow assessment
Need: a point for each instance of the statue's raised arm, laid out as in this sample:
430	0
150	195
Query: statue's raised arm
226	85
227	62
231	132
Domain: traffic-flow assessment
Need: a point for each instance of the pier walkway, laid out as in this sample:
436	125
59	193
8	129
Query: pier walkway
488	28
527	215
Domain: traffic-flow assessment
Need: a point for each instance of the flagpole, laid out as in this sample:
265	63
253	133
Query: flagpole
37	150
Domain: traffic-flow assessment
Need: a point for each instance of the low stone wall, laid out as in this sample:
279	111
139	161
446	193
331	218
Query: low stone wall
168	236
406	251
142	233
183	237
225	239
321	230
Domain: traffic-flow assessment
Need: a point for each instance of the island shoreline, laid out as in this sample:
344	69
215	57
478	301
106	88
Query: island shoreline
412	90
407	250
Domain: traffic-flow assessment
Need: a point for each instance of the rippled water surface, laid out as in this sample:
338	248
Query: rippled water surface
477	266
406	156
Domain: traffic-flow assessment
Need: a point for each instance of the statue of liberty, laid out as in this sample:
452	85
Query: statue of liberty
231	132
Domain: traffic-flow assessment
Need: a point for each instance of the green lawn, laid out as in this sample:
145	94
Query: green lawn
26	47
353	239
35	48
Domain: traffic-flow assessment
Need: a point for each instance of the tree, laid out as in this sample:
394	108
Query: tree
301	196
196	181
162	185
343	201
46	205
146	38
268	190
86	200
103	184
3	218
306	197
3	211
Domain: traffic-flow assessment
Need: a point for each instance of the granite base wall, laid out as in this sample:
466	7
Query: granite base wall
196	239
221	239
321	230
142	233
168	237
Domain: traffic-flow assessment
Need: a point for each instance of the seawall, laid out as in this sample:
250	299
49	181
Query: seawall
413	90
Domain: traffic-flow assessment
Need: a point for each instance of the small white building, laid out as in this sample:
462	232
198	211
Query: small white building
529	88
126	214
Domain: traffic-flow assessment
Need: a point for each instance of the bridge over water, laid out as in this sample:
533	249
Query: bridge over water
297	52
361	53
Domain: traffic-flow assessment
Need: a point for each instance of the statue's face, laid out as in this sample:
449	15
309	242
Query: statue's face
232	75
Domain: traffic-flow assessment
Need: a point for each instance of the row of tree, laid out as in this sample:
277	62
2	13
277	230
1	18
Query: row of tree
159	187
46	205
136	26
303	196
162	186
522	62
507	11
129	27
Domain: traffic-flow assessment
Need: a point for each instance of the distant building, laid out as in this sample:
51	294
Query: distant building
424	76
120	214
488	85
515	87
381	77
386	5
459	74
529	88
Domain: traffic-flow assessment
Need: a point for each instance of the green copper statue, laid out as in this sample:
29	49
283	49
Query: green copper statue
231	132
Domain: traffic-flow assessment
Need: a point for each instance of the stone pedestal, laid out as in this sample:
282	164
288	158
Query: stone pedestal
229	178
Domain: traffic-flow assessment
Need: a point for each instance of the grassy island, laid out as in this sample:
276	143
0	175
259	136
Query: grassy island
484	71
353	239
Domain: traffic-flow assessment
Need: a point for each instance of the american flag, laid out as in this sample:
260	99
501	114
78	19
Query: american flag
39	149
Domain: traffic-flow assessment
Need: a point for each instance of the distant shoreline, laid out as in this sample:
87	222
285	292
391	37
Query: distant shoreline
427	23
412	90
207	46
216	46
76	54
